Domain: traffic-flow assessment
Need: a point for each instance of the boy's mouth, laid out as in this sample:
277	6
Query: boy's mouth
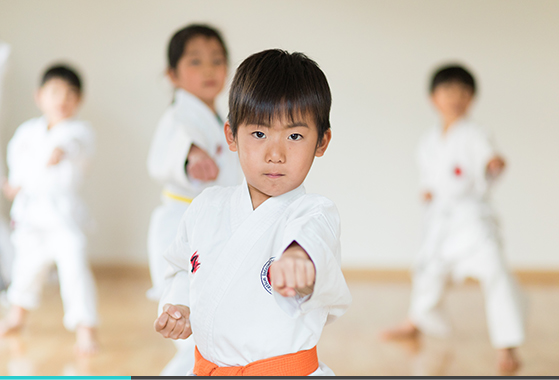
274	175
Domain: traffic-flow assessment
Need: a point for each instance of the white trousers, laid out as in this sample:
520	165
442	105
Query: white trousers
163	228
504	302
37	249
6	254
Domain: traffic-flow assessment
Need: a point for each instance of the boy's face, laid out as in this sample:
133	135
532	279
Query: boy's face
452	100
202	69
276	158
58	100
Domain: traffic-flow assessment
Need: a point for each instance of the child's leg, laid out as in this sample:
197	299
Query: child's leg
77	287
13	321
503	304
428	287
163	226
31	265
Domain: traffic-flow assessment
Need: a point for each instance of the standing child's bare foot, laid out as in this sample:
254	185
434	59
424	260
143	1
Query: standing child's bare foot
507	361
13	321
86	341
406	330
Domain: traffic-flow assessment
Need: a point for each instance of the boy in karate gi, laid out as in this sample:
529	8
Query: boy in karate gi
46	161
458	165
255	269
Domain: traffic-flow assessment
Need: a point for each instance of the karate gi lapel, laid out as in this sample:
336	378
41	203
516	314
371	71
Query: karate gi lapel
247	226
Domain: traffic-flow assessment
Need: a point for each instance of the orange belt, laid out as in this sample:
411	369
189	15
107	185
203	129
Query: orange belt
301	363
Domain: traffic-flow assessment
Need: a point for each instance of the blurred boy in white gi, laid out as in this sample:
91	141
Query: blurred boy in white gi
457	165
256	268
6	249
46	161
189	151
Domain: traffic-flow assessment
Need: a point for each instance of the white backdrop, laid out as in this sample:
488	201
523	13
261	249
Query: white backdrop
378	56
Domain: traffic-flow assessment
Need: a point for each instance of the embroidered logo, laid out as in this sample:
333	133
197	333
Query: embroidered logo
194	263
457	171
265	275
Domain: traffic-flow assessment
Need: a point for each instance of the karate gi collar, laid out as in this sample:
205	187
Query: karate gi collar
242	203
191	104
458	124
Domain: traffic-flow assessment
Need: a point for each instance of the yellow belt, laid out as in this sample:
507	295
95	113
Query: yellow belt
177	197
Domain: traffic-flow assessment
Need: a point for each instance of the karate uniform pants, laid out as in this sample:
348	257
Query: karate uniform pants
6	254
37	249
504	302
164	224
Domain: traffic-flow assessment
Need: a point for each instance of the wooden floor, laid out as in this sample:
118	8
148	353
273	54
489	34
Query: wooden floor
349	346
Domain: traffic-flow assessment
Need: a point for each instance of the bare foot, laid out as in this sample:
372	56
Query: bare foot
406	330
13	321
507	361
86	341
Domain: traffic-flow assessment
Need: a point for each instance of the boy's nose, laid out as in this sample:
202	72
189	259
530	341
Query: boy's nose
275	155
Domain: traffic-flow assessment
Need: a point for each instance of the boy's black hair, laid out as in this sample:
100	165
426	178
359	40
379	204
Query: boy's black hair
453	73
65	73
181	37
275	83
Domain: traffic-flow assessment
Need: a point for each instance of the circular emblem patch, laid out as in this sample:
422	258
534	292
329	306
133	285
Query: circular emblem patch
265	275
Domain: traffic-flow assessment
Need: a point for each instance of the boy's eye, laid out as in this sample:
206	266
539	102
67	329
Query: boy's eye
195	62
258	134
295	136
219	61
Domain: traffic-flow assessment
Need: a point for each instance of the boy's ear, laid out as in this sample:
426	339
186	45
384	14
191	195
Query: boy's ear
321	148
172	75
229	137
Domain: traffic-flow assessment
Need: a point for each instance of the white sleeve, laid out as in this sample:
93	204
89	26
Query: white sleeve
168	153
177	278
318	234
483	152
79	143
16	172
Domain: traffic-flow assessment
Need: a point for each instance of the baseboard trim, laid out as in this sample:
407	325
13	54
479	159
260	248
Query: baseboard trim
525	276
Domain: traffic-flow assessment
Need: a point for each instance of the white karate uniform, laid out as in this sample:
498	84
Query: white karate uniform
220	260
6	249
185	122
461	237
49	216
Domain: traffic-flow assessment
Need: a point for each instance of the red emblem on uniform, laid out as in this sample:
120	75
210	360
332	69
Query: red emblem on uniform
458	171
194	262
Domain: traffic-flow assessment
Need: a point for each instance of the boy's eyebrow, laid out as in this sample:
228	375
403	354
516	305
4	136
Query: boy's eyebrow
290	125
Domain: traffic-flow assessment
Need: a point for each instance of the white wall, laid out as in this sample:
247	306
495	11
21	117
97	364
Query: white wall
377	55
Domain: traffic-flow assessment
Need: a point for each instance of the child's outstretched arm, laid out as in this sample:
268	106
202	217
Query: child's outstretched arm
294	273
56	156
200	165
495	167
10	191
174	322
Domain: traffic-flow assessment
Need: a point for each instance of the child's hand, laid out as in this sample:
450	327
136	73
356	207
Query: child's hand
200	165
174	322
9	191
495	167
55	157
427	196
293	273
